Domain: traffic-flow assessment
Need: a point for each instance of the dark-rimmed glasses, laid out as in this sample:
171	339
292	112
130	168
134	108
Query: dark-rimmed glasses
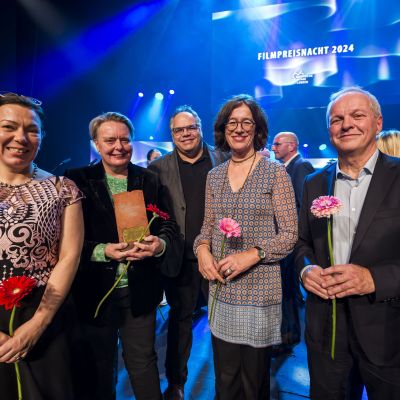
178	131
11	94
246	124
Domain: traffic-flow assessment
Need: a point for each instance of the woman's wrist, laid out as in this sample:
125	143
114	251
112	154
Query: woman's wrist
202	246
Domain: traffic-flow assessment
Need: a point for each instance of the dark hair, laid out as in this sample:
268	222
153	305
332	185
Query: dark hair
150	153
109	116
186	109
259	116
24	101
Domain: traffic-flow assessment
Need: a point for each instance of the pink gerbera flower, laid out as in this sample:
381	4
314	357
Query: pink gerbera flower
325	206
229	227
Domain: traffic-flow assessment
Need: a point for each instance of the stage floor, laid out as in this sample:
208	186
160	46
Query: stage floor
289	374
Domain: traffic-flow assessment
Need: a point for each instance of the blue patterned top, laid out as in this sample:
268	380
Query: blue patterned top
247	309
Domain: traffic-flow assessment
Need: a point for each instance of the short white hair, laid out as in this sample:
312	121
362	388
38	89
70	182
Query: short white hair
374	103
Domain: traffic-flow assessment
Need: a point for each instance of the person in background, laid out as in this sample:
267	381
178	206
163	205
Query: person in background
129	314
183	175
365	275
245	310
389	142
286	148
152	155
41	235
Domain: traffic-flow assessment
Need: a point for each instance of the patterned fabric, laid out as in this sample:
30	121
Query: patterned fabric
248	309
30	225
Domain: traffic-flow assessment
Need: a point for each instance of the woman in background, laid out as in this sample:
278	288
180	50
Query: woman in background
41	235
389	142
258	194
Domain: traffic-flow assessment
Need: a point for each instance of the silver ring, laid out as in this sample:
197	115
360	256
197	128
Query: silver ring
228	271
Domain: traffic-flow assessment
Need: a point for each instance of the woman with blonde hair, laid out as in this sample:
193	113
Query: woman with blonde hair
389	142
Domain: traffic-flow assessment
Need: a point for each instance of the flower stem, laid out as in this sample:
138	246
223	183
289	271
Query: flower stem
11	323
147	227
333	300
16	366
218	284
111	289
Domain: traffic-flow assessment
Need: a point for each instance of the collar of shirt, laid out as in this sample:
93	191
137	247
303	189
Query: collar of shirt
367	169
290	159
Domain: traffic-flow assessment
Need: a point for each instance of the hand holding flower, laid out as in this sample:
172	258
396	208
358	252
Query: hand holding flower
347	280
150	246
208	266
229	228
326	207
117	251
137	253
12	291
238	263
313	281
23	340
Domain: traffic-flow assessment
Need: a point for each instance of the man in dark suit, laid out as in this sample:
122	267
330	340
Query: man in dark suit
286	149
285	146
129	313
365	274
183	174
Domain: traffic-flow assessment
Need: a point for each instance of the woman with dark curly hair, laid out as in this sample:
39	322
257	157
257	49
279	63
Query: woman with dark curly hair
245	285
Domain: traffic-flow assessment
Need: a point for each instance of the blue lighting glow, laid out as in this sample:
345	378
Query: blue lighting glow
151	137
305	145
140	94
172	91
159	96
72	57
322	147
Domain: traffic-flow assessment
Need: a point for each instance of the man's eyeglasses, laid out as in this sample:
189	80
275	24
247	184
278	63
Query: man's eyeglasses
246	124
31	99
178	131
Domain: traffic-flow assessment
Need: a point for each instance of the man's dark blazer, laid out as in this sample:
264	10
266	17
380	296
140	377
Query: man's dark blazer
168	170
94	279
298	169
376	246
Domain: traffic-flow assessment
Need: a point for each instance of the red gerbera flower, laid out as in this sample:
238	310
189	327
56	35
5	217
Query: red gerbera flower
157	212
14	289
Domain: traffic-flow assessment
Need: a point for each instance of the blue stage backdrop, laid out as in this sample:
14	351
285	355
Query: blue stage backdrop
82	58
292	55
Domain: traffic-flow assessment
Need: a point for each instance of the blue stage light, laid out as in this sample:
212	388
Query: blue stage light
151	137
140	94
171	91
159	96
322	147
305	145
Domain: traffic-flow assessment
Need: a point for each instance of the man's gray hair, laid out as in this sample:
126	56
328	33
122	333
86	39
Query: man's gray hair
374	103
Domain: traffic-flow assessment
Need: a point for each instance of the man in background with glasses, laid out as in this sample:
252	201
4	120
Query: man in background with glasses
183	174
285	146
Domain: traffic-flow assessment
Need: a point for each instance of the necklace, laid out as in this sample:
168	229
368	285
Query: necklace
29	180
238	193
245	159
